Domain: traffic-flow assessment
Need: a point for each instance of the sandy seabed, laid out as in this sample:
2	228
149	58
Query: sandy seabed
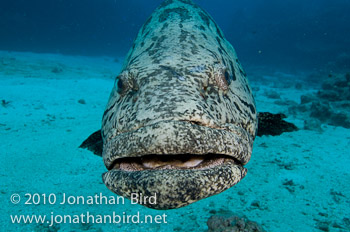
50	103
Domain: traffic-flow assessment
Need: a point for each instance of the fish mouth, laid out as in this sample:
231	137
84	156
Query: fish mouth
177	162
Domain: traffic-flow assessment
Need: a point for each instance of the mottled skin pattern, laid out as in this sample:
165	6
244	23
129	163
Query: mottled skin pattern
181	91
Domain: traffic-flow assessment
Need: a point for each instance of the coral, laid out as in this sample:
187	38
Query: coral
218	223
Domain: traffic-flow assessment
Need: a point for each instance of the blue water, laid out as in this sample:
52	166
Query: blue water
296	33
58	61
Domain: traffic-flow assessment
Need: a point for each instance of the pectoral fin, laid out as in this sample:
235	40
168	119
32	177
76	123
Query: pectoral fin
273	124
94	143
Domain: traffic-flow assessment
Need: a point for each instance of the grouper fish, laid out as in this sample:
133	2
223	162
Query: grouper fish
181	119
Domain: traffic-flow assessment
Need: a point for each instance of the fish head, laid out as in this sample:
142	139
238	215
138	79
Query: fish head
181	119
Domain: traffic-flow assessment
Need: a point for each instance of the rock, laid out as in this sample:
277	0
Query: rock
281	102
340	119
313	124
304	99
336	88
57	69
324	112
272	94
330	105
5	103
228	223
330	95
321	111
294	110
298	86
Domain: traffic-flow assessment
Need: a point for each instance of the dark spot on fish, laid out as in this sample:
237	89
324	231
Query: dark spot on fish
156	72
181	11
133	60
146	24
186	2
166	3
149	48
180	25
227	77
157	46
237	107
219	100
205	18
142	44
213	54
160	41
162	38
183	36
233	71
194	48
184	54
250	106
248	89
171	72
223	61
156	60
220	51
218	31
153	51
219	41
109	108
202	28
110	117
165	25
145	35
204	36
242	72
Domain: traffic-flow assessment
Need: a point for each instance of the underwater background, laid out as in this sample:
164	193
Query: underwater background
58	61
293	33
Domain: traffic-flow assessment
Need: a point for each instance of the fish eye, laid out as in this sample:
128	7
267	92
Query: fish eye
120	84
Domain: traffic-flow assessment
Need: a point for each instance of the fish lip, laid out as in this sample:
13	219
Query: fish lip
173	162
174	188
181	137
